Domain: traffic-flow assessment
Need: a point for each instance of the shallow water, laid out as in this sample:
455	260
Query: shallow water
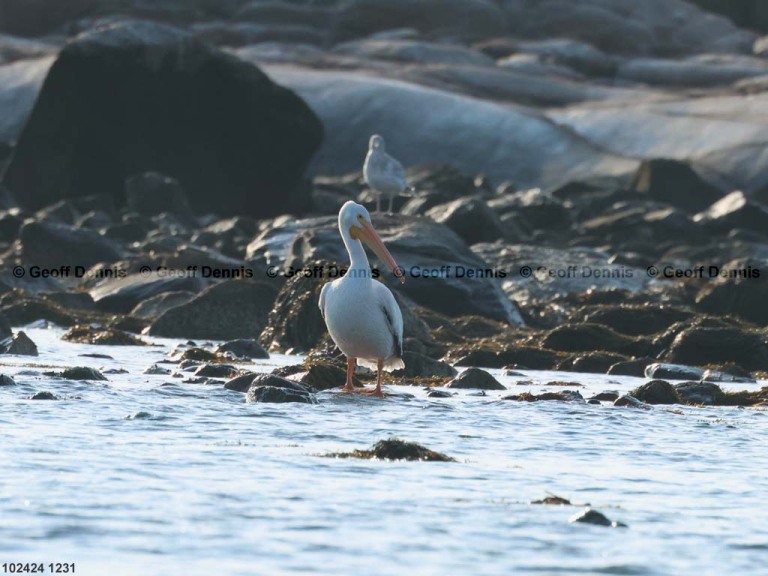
145	474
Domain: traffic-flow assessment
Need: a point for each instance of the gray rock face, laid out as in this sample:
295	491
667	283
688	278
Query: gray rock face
20	344
421	366
470	218
229	310
271	388
154	306
414	51
699	393
6	380
420	246
656	392
475	378
152	193
735	211
247	347
673	372
124	294
675	183
134	77
53	245
694	72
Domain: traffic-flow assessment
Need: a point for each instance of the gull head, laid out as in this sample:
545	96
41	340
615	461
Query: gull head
376	143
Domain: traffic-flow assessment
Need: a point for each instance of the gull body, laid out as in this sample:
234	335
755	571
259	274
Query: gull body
383	173
361	313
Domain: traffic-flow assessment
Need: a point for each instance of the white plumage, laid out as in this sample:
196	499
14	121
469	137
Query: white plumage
361	313
383	173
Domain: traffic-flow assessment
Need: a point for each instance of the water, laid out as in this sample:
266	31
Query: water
147	475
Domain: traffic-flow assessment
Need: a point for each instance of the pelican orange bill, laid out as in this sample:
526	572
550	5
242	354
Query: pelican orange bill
369	235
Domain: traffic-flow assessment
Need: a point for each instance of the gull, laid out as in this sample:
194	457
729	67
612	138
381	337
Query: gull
384	174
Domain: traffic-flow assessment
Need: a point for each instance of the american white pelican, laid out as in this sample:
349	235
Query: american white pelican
362	316
382	173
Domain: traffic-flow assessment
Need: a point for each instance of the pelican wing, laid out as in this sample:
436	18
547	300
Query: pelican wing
321	302
394	168
393	316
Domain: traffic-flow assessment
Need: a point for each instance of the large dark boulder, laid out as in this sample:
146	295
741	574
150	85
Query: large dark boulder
749	14
53	245
138	96
675	183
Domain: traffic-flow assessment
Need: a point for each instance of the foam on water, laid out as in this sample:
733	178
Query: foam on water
146	474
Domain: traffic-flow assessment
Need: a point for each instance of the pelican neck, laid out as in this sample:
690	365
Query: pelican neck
358	259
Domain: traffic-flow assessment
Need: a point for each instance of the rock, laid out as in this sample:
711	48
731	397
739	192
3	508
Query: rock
275	381
591	516
562	396
742	296
656	392
420	246
86	334
243	347
607	396
28	310
247	34
154	306
699	345
538	209
44	396
396	449
151	193
705	393
580	56
717	376
274	394
592	337
491	133
634	367
240	383
52	245
421	366
123	294
434	393
734	211
475	378
672	372
470	218
78	373
228	310
675	183
5	328
629	401
700	71
38	17
323	376
592	362
747	14
637	320
228	134
217	371
664	27
19	85
454	18
413	51
156	370
6	380
20	344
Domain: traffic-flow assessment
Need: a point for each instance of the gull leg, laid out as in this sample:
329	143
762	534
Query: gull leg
349	387
378	202
390	203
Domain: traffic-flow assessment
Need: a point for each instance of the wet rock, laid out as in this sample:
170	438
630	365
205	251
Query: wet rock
5	328
396	449
10	224
699	71
154	306
607	396
228	310
323	376
521	356
19	85
271	394
78	373
243	347
742	296
673	372
421	366
6	380
733	211
580	56
156	370
26	310
592	362
562	396
455	18
539	209
115	139
434	393
71	300
20	344
217	371
413	51
240	383
151	193
51	245
656	392
637	320
591	516
635	367
705	393
718	376
475	378
629	401
44	396
700	345
85	334
588	337
275	381
675	183
470	218
123	294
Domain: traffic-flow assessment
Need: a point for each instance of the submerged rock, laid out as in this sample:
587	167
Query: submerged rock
45	395
477	379
705	393
240	383
396	449
6	380
591	516
703	345
562	396
85	334
271	388
230	309
420	366
227	134
20	344
217	371
78	373
629	401
656	392
244	347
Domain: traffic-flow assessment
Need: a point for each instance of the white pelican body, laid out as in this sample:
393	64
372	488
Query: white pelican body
382	173
361	313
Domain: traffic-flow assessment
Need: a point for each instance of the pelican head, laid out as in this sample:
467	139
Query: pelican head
376	143
356	222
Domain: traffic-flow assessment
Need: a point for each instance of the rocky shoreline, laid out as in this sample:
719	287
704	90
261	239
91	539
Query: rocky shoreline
567	213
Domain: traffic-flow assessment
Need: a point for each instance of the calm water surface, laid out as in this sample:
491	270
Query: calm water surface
146	475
